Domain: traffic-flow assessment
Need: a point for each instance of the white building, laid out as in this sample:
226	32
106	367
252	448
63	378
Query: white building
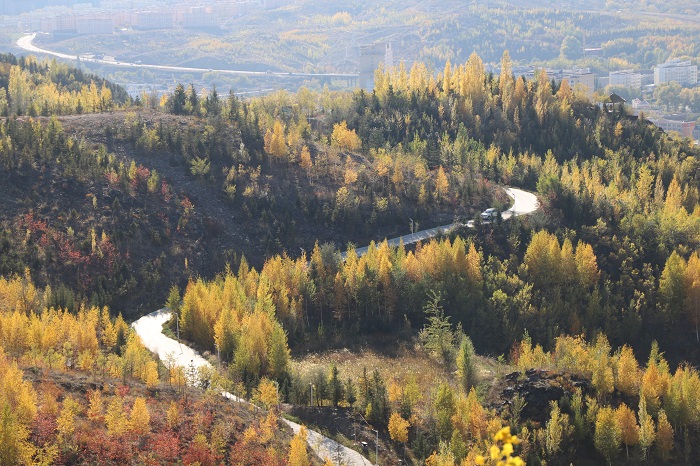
681	72
370	58
200	17
626	78
579	78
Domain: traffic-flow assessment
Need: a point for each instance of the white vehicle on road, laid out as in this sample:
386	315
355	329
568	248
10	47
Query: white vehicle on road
489	214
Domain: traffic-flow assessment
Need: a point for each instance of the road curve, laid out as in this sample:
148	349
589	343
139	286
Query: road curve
523	203
150	329
25	43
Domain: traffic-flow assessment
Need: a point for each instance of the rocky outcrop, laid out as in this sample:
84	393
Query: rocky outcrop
537	387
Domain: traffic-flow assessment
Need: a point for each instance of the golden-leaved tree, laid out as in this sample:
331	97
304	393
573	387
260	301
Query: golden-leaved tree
398	428
275	141
17	411
344	138
607	436
298	455
139	422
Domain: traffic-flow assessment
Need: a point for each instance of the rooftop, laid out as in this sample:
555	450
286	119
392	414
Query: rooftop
621	72
674	64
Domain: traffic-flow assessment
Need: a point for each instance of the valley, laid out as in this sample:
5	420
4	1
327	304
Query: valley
453	268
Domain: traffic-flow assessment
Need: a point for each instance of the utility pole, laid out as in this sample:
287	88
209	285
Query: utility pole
376	448
177	326
311	400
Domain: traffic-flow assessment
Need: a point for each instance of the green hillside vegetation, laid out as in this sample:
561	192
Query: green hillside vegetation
29	87
80	388
119	206
620	206
620	258
616	190
216	195
672	6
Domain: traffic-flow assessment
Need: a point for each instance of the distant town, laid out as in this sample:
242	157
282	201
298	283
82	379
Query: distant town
68	18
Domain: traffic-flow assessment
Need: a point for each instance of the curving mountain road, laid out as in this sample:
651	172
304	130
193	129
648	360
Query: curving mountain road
150	329
523	203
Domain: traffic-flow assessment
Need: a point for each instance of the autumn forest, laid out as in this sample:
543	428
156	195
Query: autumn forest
244	218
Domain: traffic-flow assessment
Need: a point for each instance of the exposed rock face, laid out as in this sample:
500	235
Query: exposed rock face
538	387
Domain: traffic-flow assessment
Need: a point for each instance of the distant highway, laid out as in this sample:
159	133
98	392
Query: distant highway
26	43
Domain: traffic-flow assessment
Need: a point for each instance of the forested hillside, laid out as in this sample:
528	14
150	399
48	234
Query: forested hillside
119	206
51	88
234	213
79	388
614	253
613	250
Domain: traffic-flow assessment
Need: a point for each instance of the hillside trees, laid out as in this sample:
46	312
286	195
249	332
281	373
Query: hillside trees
666	398
42	422
47	88
344	138
612	248
17	411
83	250
607	433
584	189
589	417
297	449
89	340
275	144
437	335
362	291
466	364
442	142
238	315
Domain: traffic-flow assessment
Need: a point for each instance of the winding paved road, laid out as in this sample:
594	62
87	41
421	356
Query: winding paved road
150	329
523	203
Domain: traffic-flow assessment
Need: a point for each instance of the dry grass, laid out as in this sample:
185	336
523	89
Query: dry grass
402	362
408	362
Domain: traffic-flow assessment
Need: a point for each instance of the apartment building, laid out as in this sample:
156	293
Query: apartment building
682	72
370	58
626	78
94	25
